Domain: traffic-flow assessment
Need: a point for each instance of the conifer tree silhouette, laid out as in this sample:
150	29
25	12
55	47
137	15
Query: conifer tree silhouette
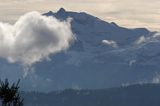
9	95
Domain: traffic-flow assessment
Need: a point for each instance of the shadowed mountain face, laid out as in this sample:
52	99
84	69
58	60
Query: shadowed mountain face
103	55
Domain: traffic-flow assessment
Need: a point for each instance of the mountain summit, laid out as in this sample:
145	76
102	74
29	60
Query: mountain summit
61	11
95	27
103	55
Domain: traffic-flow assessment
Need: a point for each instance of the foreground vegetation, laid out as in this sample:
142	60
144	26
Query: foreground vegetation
9	94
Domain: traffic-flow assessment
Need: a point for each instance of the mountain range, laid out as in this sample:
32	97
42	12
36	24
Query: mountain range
135	95
104	55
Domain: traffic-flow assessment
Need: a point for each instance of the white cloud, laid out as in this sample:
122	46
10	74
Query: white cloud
132	62
110	43
145	40
157	35
141	40
156	79
33	38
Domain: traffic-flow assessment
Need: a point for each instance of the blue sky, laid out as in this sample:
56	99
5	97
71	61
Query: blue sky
128	13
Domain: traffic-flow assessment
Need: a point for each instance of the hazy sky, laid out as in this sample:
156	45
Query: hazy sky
129	13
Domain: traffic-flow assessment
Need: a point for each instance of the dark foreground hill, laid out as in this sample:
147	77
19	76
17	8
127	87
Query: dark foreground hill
135	95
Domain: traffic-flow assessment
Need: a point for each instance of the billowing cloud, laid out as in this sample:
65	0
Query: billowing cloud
33	38
110	43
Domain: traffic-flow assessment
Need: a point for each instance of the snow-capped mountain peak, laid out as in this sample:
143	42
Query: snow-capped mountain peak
104	55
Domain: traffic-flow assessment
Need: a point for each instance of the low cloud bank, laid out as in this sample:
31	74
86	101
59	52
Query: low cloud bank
110	43
33	38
